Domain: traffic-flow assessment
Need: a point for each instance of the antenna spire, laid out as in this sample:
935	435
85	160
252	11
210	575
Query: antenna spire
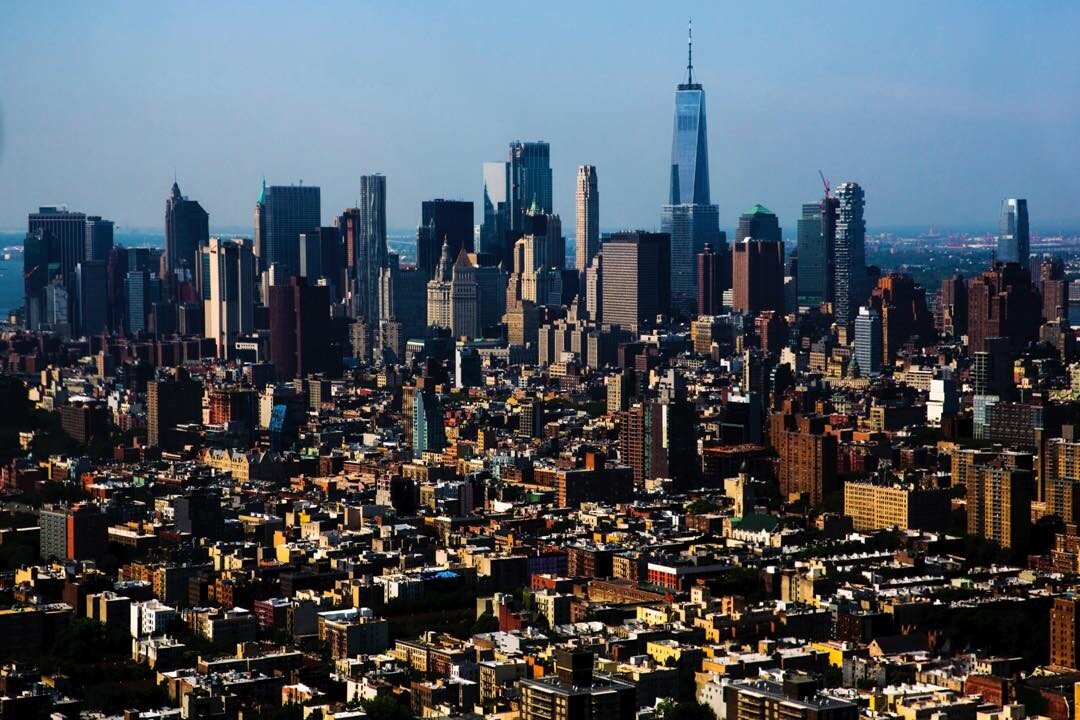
690	52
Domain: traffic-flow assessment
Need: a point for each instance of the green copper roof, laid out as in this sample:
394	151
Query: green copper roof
262	195
759	210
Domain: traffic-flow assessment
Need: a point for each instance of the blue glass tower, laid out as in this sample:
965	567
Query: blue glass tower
689	217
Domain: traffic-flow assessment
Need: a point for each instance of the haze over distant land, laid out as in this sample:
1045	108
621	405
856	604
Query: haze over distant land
937	109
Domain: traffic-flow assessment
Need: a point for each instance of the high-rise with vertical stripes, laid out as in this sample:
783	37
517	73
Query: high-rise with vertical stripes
587	235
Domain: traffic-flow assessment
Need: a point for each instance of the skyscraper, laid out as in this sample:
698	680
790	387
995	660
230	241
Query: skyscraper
530	180
587	235
849	283
757	276
759	223
370	247
172	398
636	281
496	210
187	229
817	237
300	342
449	221
1014	237
710	292
91	298
282	213
55	243
868	339
689	218
230	311
99	238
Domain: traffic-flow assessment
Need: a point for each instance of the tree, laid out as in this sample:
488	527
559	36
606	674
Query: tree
667	710
386	708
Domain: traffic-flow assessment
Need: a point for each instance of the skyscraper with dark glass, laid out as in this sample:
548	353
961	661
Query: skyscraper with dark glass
55	244
449	221
530	181
816	237
1014	237
496	209
689	217
849	276
187	229
99	238
282	213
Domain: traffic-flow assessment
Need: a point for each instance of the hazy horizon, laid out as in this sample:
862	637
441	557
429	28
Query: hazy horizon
939	111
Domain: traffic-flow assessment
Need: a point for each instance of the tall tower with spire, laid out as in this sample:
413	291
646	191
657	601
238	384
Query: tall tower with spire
689	217
187	230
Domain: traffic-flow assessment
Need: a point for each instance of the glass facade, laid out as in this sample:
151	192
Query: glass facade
1014	237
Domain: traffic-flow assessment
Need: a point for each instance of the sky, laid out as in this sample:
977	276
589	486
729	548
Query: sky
938	109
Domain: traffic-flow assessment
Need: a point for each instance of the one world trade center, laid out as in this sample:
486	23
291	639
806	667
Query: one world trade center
689	217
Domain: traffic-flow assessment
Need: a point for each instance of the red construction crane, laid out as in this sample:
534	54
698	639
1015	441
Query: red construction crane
825	183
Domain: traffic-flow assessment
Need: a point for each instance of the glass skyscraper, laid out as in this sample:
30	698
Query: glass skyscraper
689	217
496	209
530	181
849	277
816	236
282	214
1014	237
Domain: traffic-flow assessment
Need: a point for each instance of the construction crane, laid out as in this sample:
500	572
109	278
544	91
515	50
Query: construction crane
825	183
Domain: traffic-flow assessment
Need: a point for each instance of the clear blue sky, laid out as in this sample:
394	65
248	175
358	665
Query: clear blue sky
939	109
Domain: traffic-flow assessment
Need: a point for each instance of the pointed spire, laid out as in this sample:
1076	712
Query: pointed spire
690	53
262	195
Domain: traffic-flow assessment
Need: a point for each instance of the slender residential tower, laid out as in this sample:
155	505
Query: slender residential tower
689	217
849	279
587	236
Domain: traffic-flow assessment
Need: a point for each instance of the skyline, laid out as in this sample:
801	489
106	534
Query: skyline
965	121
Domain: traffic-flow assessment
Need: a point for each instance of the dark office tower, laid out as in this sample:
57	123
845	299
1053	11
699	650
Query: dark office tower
286	211
901	303
636	283
689	217
530	181
55	243
1003	303
116	269
759	223
187	228
1054	289
319	257
496	210
817	238
757	276
138	296
99	238
587	235
91	298
443	221
951	308
1014	237
172	398
300	338
403	297
710	291
849	270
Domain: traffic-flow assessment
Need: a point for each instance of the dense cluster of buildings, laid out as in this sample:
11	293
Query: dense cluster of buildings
292	474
